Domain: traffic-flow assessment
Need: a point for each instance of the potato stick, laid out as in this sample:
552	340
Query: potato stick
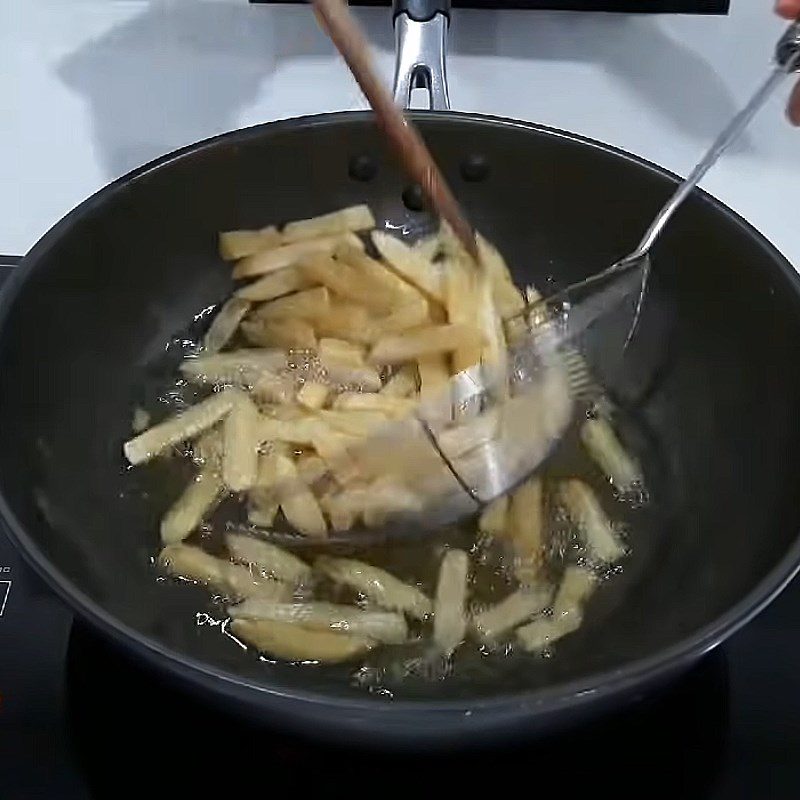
238	244
224	324
141	420
382	498
383	626
235	580
433	378
343	374
261	513
288	255
271	388
310	469
271	560
507	297
354	218
313	395
176	429
241	583
511	612
293	643
342	351
353	423
408	315
494	355
305	305
396	407
449	617
240	441
492	521
462	309
207	448
346	321
410	263
301	431
607	452
376	274
402	384
348	283
576	586
524	529
428	247
377	585
594	526
239	367
426	341
292	334
198	498
297	502
274	284
342	517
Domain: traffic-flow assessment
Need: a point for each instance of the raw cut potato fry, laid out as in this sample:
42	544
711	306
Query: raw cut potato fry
293	334
239	367
240	442
428	247
271	560
141	420
261	514
493	518
238	244
234	580
393	407
207	448
510	612
375	274
341	351
383	626
348	283
409	315
271	388
507	297
411	264
494	355
297	502
449	616
524	529
576	586
462	309
607	452
176	429
353	423
310	469
313	395
189	510
426	341
377	585
594	526
348	321
300	431
274	284
305	305
379	500
224	324
293	643
339	372
353	218
402	384
433	377
288	255
341	516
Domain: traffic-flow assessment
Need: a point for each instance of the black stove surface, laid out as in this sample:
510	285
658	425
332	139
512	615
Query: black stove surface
78	720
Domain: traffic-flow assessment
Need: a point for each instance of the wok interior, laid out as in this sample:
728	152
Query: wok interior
714	379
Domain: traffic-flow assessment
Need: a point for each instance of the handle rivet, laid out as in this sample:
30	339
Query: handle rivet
475	168
362	168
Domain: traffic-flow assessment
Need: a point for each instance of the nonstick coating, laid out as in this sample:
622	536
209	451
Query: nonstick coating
714	381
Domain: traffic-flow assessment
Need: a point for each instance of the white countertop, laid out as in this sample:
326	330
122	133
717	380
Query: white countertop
90	89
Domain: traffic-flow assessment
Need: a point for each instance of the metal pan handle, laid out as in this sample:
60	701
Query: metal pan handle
420	30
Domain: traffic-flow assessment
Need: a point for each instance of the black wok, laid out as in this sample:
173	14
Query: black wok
714	383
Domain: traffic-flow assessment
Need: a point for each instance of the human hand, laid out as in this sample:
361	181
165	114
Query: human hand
790	9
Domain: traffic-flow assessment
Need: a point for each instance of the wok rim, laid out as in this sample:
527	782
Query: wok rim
595	686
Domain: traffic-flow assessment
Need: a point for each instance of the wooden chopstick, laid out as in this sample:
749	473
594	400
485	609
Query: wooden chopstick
336	20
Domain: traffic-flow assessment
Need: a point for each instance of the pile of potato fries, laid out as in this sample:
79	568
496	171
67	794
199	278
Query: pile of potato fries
340	330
